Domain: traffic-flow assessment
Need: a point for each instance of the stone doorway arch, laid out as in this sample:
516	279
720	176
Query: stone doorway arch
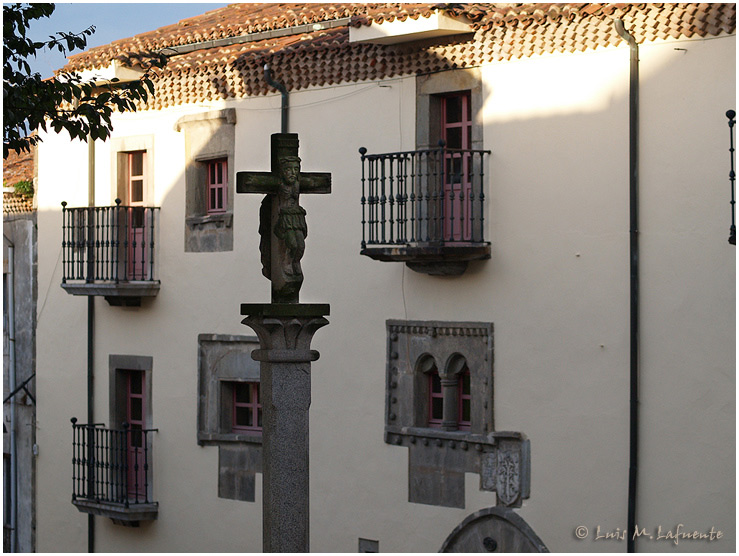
495	529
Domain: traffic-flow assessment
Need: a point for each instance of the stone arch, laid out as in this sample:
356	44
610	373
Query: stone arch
426	364
495	529
456	364
424	367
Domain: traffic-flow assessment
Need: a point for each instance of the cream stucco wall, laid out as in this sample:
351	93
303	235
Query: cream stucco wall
556	288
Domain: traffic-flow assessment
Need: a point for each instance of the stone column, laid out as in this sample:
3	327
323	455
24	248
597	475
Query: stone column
285	332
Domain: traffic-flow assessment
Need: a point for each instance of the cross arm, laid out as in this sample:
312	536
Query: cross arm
315	182
256	182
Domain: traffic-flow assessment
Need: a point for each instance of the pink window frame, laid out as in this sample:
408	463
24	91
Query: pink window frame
137	255
214	186
465	123
134	177
252	405
135	437
434	422
461	423
455	233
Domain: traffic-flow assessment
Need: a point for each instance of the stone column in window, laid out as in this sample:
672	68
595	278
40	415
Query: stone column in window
449	388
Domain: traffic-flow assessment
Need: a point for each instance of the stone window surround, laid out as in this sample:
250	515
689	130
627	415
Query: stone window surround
439	459
208	136
430	88
215	430
223	360
118	364
418	347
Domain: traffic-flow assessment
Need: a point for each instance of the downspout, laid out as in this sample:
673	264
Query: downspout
634	257
283	91
90	325
11	385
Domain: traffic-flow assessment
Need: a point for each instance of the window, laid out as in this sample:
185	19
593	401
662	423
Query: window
456	132
130	410
135	438
210	150
454	390
130	392
456	120
436	400
133	162
136	177
247	411
137	256
217	186
440	376
447	109
229	408
439	406
464	421
230	412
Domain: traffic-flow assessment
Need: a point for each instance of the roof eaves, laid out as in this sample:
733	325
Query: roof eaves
255	37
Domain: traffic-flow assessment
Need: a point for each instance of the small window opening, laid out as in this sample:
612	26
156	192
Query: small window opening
217	186
247	411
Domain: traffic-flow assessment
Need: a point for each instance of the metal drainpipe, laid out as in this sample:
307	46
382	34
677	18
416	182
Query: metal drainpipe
283	91
634	256
90	327
11	385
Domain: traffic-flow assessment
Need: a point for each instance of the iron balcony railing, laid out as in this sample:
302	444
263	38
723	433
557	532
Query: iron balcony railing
111	466
108	244
428	196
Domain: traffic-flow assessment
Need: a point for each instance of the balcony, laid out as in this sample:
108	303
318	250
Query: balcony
425	208
111	472
109	251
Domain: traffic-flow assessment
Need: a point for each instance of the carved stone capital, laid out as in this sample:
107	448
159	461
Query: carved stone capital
285	328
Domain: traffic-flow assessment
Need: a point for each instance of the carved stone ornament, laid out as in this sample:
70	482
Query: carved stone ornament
508	478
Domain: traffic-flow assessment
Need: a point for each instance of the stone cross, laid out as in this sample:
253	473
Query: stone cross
285	328
282	226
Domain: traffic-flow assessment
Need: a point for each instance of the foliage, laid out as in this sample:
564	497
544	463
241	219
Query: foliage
24	187
83	109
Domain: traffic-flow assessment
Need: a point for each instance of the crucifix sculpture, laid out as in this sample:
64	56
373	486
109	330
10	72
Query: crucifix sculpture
285	328
282	226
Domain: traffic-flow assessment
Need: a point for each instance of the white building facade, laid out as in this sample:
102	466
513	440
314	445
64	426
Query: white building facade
169	353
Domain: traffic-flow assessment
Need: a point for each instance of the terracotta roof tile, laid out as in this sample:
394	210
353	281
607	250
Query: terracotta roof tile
503	31
18	167
14	203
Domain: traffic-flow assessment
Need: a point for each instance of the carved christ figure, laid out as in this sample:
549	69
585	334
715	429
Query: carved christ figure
283	217
290	227
282	227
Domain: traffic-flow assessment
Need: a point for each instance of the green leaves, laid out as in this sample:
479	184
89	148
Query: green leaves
64	102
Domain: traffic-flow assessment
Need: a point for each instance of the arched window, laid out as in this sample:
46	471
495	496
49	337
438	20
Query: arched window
436	400
448	396
458	384
464	421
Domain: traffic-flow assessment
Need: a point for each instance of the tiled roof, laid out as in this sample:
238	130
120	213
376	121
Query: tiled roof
18	167
325	56
14	203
